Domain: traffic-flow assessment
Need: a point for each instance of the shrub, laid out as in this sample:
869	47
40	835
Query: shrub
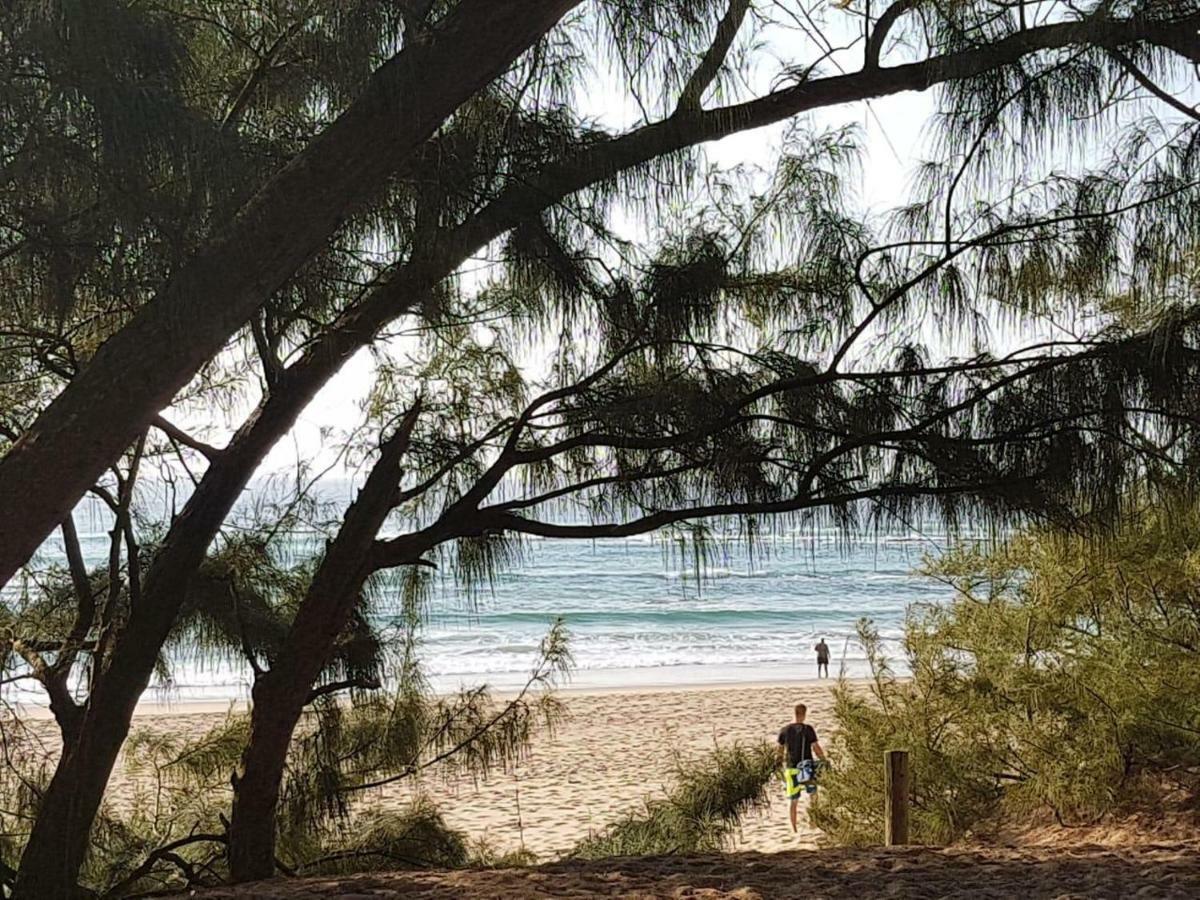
698	815
1065	674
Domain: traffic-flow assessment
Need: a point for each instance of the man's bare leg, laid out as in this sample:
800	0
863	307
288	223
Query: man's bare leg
795	805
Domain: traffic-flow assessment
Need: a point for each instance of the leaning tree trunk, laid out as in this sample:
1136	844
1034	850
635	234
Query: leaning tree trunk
139	370
281	694
278	706
58	842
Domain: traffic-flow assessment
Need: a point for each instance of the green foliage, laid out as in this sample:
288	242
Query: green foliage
720	371
710	798
951	757
417	837
1063	677
170	833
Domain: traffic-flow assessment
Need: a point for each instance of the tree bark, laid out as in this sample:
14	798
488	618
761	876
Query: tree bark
277	709
281	694
139	370
59	840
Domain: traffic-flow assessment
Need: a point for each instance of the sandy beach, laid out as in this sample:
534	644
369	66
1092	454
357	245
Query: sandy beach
614	751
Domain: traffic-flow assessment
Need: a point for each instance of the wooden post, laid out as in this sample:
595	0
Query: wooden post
895	802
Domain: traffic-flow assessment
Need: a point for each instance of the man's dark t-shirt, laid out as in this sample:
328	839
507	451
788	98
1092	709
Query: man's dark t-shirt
799	740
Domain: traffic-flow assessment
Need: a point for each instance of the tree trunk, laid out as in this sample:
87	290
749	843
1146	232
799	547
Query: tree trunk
59	839
281	694
55	851
278	706
139	370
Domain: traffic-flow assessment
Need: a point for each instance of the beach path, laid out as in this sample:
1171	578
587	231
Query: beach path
1149	871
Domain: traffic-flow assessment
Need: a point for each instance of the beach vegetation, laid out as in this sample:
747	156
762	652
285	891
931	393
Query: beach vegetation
700	813
1062	683
173	832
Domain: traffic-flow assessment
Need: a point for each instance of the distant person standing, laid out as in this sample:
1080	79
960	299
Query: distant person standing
822	658
797	744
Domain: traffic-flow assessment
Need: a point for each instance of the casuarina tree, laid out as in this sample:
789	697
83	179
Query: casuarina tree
698	343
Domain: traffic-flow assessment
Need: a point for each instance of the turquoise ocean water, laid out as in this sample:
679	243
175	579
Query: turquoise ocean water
641	613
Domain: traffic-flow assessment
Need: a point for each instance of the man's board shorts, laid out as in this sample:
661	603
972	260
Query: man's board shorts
801	780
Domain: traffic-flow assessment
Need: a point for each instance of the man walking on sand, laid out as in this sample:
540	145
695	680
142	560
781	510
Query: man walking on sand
797	745
822	657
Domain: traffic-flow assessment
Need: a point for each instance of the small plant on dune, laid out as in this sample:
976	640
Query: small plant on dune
484	855
709	801
1064	677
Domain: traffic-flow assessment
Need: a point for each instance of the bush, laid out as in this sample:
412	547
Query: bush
698	814
1064	675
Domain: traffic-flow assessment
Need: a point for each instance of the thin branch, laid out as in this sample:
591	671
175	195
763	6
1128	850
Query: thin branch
415	15
362	684
177	434
85	598
882	28
167	852
540	675
272	366
1145	81
242	102
710	66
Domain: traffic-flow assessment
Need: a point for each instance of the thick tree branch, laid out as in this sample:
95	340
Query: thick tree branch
501	521
139	370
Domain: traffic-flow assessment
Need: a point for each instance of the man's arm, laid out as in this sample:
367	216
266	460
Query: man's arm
782	750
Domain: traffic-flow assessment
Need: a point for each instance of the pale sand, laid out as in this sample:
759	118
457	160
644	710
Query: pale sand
614	751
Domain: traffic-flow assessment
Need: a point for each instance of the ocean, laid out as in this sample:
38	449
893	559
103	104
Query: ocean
641	613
